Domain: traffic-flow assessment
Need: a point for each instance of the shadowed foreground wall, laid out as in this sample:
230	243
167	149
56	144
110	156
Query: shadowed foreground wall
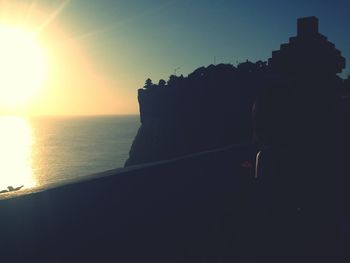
185	210
201	208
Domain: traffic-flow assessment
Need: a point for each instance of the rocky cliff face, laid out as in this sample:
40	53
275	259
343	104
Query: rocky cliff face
208	109
212	108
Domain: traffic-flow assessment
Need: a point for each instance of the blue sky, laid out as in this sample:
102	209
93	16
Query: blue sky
151	38
131	40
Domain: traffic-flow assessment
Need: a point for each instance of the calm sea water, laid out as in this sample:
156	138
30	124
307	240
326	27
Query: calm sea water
44	150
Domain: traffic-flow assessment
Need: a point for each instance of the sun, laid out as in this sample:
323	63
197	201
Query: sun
23	67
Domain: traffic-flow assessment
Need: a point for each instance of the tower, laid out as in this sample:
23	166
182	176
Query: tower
308	53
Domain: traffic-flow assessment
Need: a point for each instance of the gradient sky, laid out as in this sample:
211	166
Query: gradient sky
125	42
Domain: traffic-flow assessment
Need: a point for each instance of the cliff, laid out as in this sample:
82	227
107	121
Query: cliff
212	106
208	109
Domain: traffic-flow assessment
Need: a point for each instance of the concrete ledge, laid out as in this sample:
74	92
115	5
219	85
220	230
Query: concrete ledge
185	209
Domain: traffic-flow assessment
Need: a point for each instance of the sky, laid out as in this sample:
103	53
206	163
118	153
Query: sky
101	51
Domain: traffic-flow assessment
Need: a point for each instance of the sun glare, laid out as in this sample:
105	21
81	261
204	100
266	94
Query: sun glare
22	65
16	142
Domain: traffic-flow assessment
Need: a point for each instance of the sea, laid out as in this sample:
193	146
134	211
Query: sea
39	151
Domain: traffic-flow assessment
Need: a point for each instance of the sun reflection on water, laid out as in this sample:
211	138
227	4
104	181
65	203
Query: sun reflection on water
16	142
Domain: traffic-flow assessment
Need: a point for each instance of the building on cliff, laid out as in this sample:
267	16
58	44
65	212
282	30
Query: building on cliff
309	53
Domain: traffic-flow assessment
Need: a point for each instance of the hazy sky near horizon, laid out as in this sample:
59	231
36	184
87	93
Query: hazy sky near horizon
105	49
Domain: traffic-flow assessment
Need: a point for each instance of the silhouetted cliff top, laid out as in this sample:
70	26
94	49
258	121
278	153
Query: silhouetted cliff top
210	73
